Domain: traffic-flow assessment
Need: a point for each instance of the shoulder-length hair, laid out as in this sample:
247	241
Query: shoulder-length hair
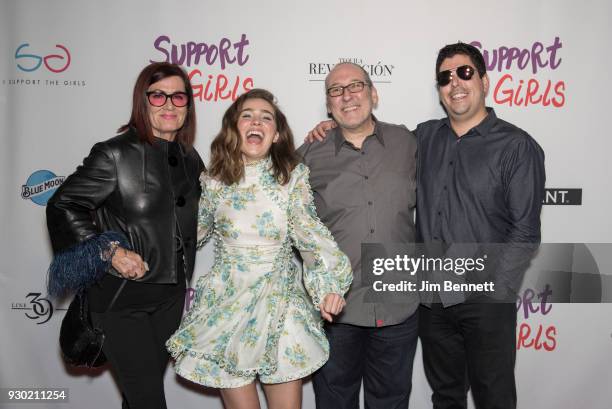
139	119
226	163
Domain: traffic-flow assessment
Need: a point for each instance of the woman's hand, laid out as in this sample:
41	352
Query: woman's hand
129	264
332	304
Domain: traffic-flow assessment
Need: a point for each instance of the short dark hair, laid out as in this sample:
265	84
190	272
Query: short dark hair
226	163
450	50
139	119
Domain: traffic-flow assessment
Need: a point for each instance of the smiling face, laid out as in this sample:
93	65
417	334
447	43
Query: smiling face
167	119
352	111
257	129
464	100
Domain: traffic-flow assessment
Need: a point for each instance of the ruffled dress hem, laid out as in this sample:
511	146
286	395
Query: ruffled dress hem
243	379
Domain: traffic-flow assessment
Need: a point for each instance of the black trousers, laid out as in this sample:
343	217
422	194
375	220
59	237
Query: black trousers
135	349
381	357
470	345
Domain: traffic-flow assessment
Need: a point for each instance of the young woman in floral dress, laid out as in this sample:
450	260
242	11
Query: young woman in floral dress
254	314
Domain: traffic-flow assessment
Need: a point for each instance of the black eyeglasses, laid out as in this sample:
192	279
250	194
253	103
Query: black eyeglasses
353	87
465	72
158	98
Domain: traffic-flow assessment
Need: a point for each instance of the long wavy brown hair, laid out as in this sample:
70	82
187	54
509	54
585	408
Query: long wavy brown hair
226	163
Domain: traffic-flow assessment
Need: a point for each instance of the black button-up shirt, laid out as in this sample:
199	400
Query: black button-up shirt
484	187
366	195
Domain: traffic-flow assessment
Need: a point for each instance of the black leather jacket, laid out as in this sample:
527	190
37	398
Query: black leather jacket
124	185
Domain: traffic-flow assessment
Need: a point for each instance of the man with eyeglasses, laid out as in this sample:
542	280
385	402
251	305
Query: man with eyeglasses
480	180
363	179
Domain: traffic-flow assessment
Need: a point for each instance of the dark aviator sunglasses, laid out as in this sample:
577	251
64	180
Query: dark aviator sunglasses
464	72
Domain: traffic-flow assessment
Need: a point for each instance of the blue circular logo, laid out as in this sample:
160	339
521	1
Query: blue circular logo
40	186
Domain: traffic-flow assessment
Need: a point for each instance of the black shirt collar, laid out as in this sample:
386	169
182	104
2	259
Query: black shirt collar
483	128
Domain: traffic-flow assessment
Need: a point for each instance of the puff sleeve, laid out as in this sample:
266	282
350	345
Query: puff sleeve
206	210
326	268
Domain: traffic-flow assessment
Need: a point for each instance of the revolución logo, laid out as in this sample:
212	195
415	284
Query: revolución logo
379	72
40	186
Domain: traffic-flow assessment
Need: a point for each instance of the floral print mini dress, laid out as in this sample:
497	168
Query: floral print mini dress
255	314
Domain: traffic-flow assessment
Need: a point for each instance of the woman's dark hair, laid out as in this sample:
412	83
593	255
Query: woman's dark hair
226	163
139	119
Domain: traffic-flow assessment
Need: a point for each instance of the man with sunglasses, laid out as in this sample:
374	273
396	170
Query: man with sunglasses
480	180
363	180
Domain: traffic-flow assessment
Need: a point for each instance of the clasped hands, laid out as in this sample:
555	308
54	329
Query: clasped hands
129	264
